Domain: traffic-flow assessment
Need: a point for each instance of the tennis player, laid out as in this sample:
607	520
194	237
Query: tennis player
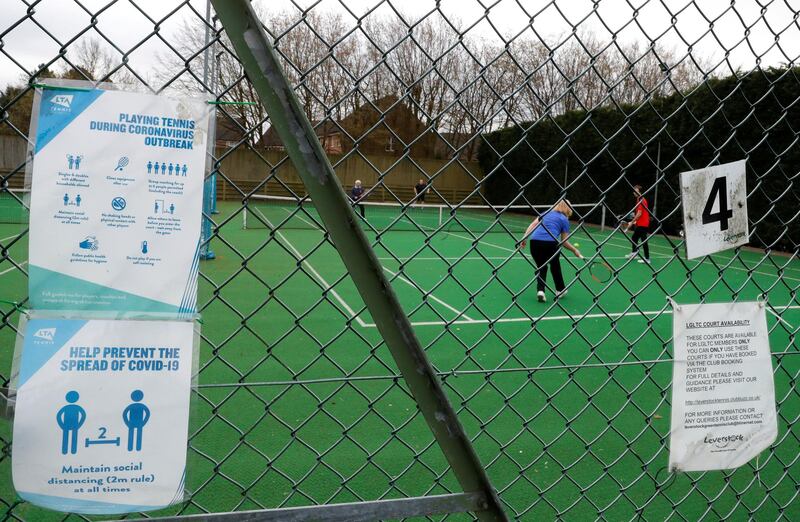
548	234
640	224
419	189
356	193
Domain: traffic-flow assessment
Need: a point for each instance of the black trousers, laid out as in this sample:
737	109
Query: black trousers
547	253
360	209
640	234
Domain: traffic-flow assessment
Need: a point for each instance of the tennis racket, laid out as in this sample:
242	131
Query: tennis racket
600	271
122	163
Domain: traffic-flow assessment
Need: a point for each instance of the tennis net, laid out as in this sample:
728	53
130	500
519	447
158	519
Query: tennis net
14	205
279	212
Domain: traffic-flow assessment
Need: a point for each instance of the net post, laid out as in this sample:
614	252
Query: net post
603	218
214	193
206	229
260	62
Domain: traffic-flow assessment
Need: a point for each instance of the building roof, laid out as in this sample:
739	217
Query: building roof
229	128
371	126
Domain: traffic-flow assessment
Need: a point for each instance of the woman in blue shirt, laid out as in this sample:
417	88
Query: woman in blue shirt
548	234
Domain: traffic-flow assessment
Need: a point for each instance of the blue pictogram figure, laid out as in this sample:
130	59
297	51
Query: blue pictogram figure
78	200
149	167
144	247
70	418
78	161
155	207
170	169
135	417
70	161
163	168
66	199
172	208
184	169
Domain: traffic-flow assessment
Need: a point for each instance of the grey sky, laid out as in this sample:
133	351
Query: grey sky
122	23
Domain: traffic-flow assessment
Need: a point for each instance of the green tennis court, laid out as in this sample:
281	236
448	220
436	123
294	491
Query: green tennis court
579	385
13	207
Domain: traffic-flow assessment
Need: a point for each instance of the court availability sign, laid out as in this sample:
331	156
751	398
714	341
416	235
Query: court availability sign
723	391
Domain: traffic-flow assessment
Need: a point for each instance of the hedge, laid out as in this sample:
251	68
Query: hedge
608	149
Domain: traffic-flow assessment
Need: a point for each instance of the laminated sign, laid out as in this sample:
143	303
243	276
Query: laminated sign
116	201
723	391
714	202
102	414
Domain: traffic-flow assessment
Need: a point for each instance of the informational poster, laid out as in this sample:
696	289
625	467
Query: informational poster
714	203
102	414
723	390
116	201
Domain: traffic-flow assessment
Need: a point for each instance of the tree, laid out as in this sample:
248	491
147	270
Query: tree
457	83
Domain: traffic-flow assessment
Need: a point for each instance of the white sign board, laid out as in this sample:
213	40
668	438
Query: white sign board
723	391
714	209
116	201
102	414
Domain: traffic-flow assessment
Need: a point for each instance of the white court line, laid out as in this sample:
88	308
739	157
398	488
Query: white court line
531	319
454	310
726	260
607	240
478	240
617	243
443	258
321	279
723	260
612	315
401	278
612	241
524	319
7	270
479	258
11	237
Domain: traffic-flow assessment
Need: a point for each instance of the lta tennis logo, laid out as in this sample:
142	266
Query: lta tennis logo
46	334
61	103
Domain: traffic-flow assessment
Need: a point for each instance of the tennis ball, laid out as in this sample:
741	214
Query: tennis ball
577	245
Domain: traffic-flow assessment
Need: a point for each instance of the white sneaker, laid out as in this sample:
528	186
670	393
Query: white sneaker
645	261
540	296
561	294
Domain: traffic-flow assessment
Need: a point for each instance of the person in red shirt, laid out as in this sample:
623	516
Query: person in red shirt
641	225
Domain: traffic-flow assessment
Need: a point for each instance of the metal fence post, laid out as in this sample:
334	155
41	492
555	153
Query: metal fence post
260	62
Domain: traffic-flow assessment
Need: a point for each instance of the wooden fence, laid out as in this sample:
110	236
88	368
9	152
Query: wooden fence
385	178
243	171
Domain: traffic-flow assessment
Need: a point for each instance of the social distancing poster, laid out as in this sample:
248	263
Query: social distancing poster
102	414
116	200
102	400
723	390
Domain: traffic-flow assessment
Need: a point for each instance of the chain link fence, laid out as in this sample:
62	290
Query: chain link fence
461	121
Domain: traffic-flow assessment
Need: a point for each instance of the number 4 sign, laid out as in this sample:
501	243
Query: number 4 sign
714	209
